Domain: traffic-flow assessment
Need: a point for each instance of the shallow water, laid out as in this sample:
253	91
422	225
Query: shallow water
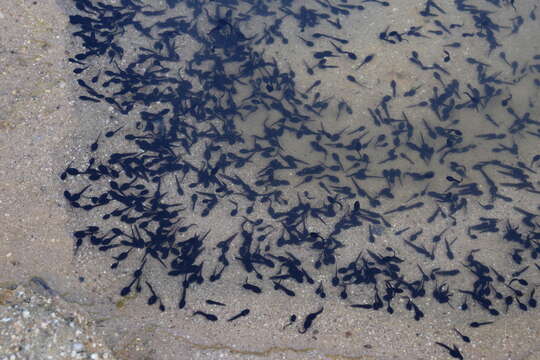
221	97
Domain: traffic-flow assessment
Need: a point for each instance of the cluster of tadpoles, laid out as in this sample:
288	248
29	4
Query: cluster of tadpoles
206	131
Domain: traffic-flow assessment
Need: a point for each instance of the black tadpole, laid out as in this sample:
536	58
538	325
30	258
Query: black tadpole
309	320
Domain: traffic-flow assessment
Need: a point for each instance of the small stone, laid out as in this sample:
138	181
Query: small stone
78	347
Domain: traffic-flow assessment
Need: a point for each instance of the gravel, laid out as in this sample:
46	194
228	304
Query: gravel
36	325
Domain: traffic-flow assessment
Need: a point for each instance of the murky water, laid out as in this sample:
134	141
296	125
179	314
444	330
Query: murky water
337	157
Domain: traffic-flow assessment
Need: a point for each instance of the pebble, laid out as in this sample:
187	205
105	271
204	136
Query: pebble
28	317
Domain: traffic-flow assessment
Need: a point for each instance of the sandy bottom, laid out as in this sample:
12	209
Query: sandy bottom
42	129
